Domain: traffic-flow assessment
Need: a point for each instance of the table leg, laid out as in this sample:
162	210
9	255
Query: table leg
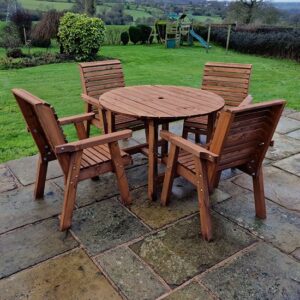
210	125
152	159
164	146
110	121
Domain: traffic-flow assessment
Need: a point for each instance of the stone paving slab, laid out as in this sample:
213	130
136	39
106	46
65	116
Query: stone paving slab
229	173
280	187
296	254
178	253
32	244
294	134
104	225
290	164
192	291
126	143
69	277
7	181
135	279
288	111
25	169
287	124
295	115
183	202
18	207
231	188
284	146
281	227
262	273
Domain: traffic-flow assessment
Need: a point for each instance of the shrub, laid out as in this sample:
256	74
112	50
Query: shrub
14	53
80	36
35	59
145	32
125	37
134	34
41	42
22	20
10	37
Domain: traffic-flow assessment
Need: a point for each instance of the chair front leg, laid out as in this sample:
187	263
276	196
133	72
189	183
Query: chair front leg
203	198
169	175
88	109
120	172
70	190
259	194
41	174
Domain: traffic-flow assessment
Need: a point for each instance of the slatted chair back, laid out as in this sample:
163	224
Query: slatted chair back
101	76
27	102
243	135
229	80
48	134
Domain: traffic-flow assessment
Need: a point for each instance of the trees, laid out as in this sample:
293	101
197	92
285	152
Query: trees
85	6
252	11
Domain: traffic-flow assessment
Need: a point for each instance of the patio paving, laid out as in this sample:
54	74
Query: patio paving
146	251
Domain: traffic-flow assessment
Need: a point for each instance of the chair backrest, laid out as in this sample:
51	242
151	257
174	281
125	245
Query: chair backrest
243	134
41	121
229	80
101	76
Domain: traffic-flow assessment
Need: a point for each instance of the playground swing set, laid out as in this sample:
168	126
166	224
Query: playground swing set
178	30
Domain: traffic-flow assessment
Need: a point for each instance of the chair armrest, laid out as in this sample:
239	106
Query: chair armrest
76	118
93	141
91	100
248	100
188	146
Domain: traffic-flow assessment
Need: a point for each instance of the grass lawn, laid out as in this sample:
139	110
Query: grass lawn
59	84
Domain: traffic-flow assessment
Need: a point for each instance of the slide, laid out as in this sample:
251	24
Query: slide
199	39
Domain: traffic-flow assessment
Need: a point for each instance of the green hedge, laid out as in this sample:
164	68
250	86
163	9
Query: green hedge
275	44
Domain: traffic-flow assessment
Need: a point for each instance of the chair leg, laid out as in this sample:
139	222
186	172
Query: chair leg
120	172
88	108
197	138
185	132
70	191
203	198
169	175
259	195
40	178
217	179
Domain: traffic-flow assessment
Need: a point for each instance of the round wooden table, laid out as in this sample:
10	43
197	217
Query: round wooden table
158	104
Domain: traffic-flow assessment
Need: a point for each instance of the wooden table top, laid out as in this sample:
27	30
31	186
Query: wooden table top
161	101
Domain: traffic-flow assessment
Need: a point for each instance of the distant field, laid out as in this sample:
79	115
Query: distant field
141	12
45	5
207	19
137	13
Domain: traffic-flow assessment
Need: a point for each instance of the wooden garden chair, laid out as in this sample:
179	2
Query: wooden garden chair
79	160
100	77
241	140
231	82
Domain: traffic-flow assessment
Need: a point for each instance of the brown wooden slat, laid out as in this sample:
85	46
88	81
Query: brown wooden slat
235	66
217	73
115	72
